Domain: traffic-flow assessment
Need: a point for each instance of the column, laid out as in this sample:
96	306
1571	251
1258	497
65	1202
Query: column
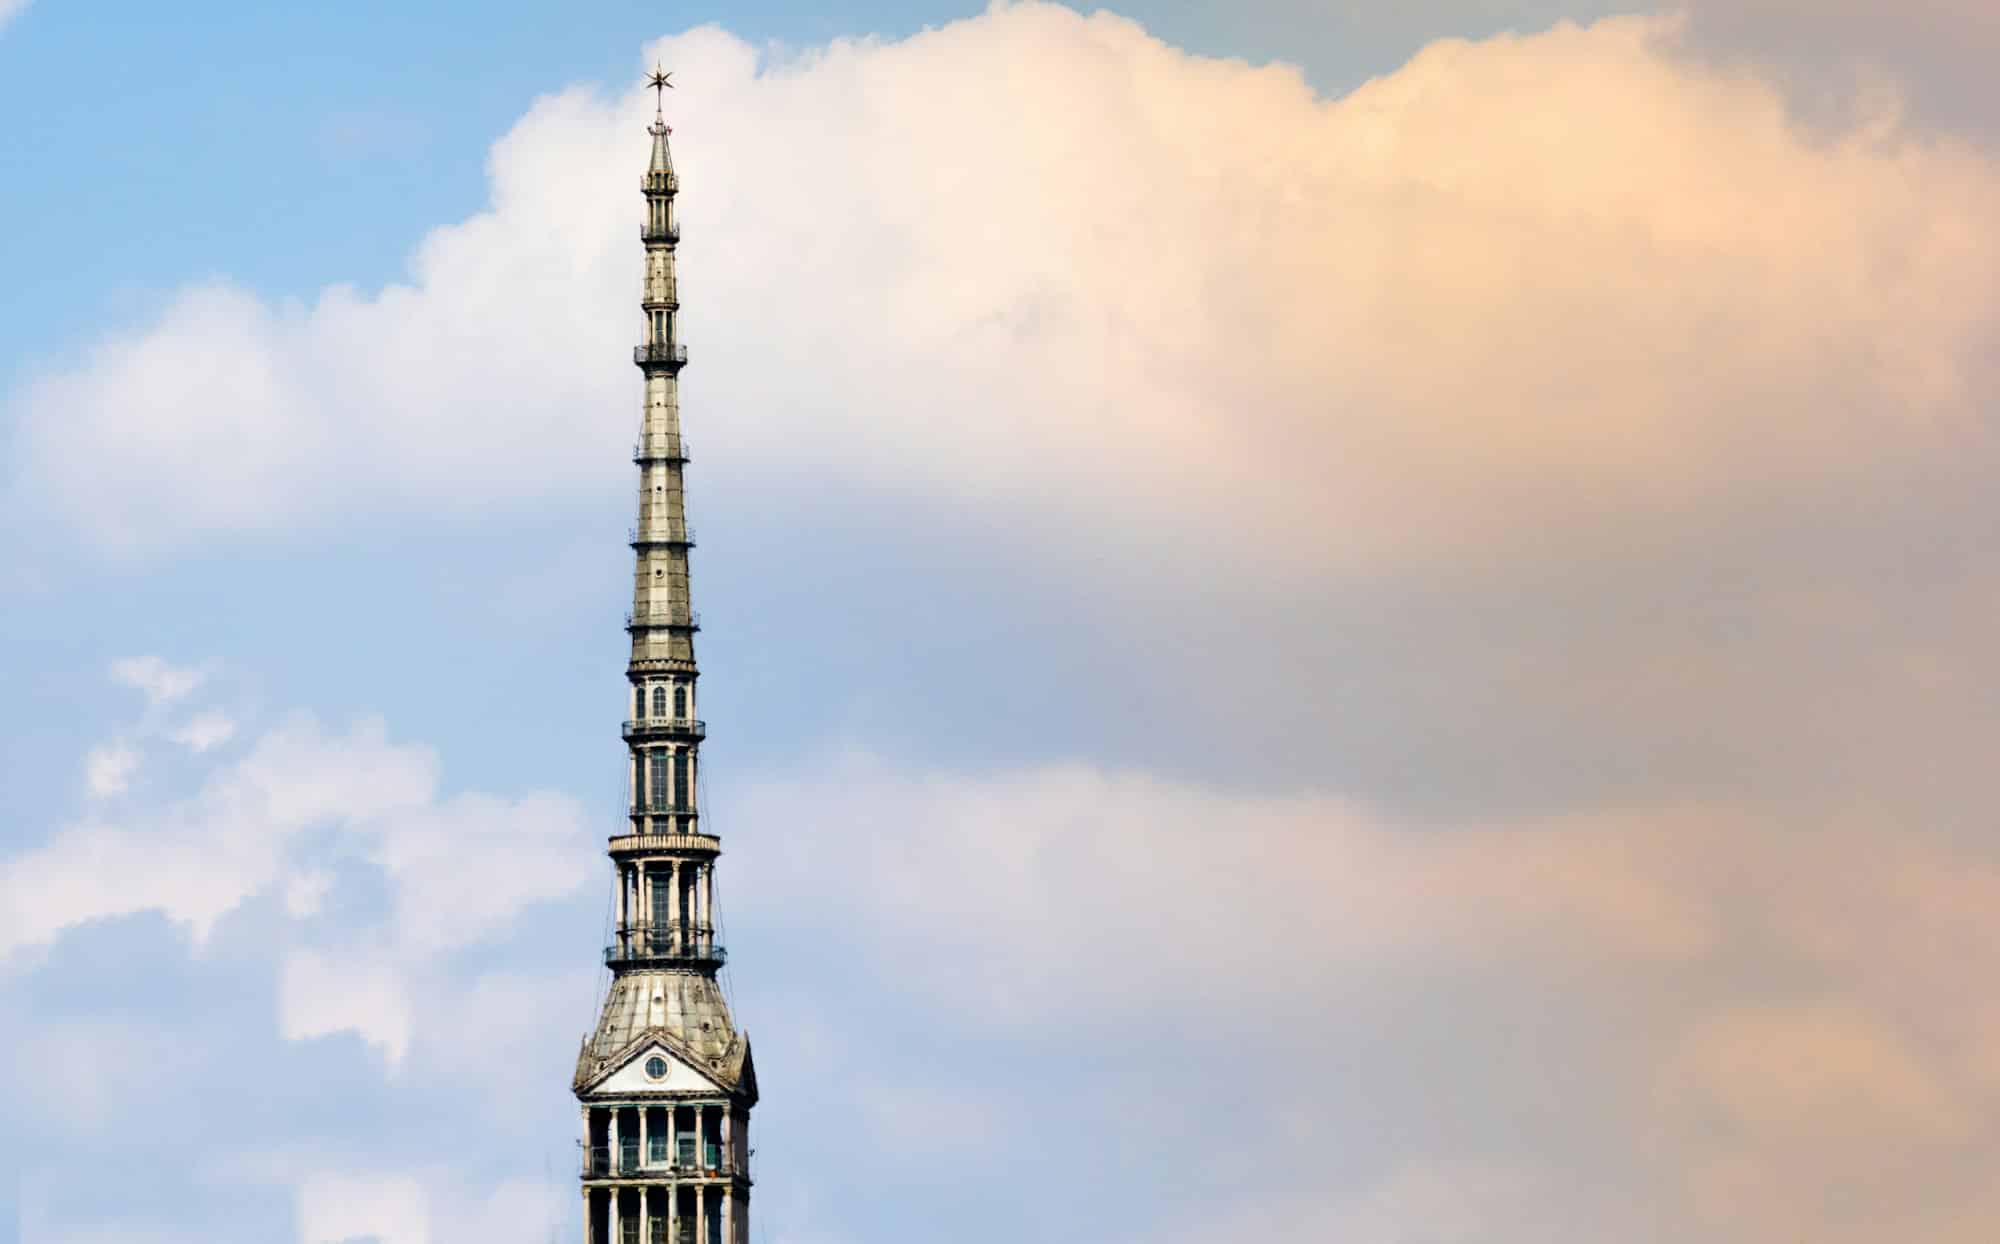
708	903
645	1124
728	1217
701	1213
589	1221
620	926
675	898
673	1137
645	1219
611	1218
673	1213
611	1142
728	1154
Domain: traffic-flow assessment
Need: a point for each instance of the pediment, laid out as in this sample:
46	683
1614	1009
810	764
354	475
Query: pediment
651	1066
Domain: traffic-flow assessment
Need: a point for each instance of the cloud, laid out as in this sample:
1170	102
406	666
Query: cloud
317	874
1723	1015
1164	301
334	1209
108	770
1932	55
451	862
1544	383
320	995
1574	464
198	858
1010	875
204	730
162	683
11	9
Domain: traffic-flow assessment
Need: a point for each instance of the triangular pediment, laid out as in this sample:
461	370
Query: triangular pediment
651	1066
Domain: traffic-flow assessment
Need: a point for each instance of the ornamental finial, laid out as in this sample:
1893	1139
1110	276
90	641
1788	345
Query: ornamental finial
661	84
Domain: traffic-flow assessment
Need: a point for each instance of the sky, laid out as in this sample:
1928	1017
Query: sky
1387	606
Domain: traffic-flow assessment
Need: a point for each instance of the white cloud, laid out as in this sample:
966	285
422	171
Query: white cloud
364	993
11	9
162	683
462	869
391	1209
204	730
305	891
1263	898
108	770
1157	301
197	858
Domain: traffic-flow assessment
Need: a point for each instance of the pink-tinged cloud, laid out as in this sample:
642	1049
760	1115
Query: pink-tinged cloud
1523	291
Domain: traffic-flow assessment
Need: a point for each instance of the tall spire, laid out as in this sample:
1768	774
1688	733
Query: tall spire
663	159
666	1081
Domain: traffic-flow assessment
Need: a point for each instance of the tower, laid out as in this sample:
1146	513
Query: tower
665	1080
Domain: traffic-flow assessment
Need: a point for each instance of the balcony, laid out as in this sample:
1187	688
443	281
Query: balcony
661	354
662	618
649	232
665	844
636	537
661	449
666	728
663	809
598	1164
649	946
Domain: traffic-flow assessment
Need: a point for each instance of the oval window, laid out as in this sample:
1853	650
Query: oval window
656	1067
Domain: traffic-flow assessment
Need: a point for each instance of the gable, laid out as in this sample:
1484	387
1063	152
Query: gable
631	1077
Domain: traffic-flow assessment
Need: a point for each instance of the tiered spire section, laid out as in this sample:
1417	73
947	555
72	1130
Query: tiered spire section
666	1082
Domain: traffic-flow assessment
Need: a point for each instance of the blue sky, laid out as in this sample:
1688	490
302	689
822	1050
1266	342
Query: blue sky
1319	625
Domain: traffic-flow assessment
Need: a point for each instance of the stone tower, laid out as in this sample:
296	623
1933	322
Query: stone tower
665	1081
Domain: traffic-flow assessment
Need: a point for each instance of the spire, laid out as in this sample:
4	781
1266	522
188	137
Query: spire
666	950
665	1079
663	159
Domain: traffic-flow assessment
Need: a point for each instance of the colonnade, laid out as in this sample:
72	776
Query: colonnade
689	910
713	1215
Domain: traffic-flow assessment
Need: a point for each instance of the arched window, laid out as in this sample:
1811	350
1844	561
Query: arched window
659	701
681	703
638	702
682	795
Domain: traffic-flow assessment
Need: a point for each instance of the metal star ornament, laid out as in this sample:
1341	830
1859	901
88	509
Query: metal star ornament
661	84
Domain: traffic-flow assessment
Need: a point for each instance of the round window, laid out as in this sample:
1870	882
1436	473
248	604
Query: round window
656	1067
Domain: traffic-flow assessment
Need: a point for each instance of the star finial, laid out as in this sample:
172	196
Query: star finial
661	84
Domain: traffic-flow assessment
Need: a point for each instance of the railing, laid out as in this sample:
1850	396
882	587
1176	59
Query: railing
686	537
670	353
655	844
663	809
645	946
598	1164
676	450
685	727
649	232
663	617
